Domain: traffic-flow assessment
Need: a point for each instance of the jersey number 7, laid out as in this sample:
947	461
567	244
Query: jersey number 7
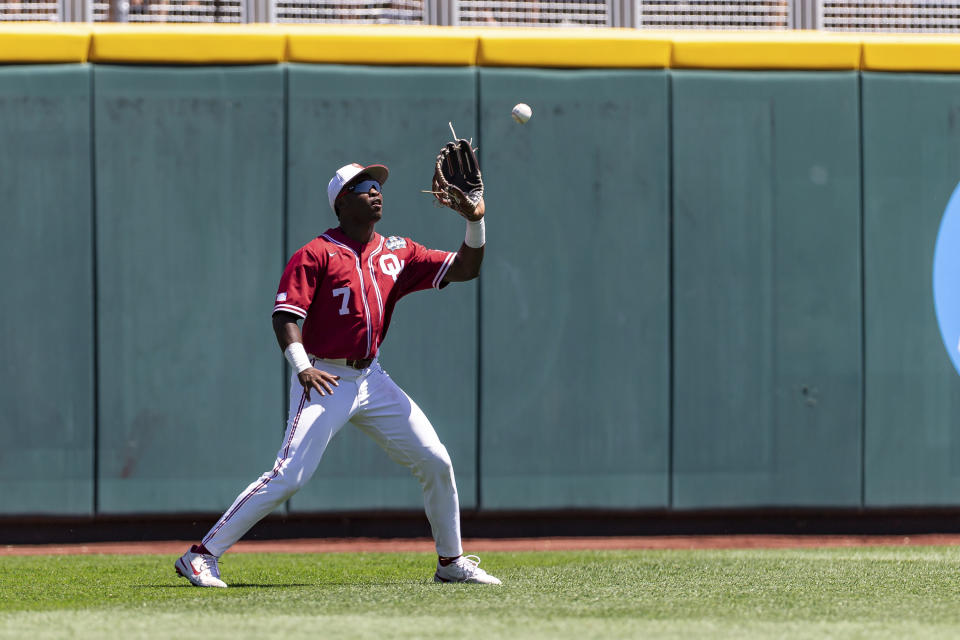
345	292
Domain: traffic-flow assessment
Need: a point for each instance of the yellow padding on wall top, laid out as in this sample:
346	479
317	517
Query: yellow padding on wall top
382	44
766	50
555	47
188	44
900	52
39	42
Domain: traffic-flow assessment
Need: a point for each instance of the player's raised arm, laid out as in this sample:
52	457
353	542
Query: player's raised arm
466	266
457	184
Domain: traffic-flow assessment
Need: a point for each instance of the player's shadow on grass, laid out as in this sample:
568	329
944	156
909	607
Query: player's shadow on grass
238	585
367	583
268	585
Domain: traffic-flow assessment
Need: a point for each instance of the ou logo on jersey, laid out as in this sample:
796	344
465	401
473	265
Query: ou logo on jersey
391	266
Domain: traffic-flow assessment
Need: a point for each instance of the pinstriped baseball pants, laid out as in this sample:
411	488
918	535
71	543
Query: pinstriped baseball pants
374	403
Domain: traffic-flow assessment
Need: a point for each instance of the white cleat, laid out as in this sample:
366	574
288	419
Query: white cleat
464	569
199	568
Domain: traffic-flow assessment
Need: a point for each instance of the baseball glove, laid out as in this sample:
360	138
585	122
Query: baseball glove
456	179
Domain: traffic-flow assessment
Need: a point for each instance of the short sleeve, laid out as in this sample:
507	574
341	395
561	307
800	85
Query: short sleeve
298	283
424	268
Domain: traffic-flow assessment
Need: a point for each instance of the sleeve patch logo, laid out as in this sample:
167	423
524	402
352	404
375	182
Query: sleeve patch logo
393	243
282	297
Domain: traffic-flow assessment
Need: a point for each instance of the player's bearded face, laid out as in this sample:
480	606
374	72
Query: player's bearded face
362	202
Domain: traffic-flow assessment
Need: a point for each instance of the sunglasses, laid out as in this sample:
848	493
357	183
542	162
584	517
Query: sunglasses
365	186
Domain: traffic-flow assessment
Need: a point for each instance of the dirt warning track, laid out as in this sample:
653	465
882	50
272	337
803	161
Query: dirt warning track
356	545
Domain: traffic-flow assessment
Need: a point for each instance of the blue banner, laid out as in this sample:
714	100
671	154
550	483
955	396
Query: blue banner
946	278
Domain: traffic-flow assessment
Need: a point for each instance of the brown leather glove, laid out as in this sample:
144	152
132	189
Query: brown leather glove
456	179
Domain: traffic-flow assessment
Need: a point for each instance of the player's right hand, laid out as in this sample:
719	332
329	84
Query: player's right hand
314	378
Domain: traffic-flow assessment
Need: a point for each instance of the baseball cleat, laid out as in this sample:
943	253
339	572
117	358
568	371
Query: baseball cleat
464	569
199	568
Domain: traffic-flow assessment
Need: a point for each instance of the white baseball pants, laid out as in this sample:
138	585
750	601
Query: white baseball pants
370	400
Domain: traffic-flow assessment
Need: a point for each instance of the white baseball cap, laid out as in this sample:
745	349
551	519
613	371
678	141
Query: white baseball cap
348	172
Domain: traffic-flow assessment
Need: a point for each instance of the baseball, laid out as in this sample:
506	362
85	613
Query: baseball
521	113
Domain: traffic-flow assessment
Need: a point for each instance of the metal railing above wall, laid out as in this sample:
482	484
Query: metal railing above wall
532	13
350	11
715	14
34	10
170	11
913	16
832	15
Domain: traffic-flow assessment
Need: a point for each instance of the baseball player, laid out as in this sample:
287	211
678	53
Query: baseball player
344	285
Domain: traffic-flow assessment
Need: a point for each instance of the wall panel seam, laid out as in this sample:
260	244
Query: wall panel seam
671	217
478	415
284	238
94	295
863	294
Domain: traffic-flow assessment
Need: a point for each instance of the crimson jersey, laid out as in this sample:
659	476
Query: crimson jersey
346	291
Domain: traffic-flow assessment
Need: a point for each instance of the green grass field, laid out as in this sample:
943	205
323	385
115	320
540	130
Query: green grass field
827	593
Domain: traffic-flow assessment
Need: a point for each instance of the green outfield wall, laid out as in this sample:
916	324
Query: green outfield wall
703	288
911	163
47	375
189	167
767	301
575	298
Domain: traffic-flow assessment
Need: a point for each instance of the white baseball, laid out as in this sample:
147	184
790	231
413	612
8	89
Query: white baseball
521	113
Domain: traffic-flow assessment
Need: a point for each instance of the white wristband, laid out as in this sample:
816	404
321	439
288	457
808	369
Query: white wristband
476	234
296	355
